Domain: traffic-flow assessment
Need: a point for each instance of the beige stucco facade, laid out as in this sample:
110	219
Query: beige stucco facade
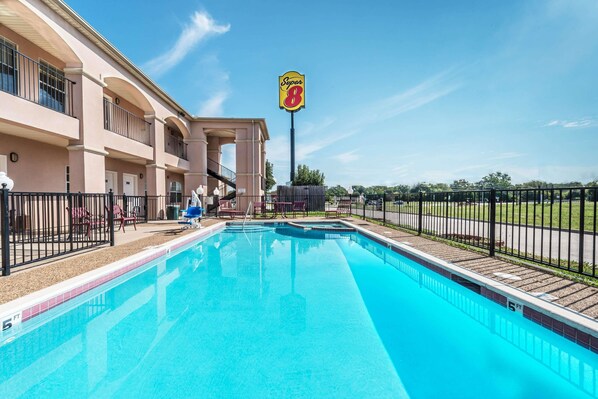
76	114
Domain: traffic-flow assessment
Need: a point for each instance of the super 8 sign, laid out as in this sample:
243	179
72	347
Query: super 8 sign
291	87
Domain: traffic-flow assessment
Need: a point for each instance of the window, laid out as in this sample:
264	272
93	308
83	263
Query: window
176	192
52	87
9	69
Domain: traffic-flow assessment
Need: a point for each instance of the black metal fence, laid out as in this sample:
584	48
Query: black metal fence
38	226
553	226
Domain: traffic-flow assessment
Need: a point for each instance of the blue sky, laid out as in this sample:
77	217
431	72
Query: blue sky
397	92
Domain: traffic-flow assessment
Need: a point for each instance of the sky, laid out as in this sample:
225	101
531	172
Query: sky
397	92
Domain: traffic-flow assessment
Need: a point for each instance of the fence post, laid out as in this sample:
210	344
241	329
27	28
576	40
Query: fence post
420	213
384	208
492	221
364	202
125	203
69	197
4	232
111	216
145	207
582	216
446	216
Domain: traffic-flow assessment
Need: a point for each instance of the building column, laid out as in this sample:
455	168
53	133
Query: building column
156	179
197	150
87	155
249	162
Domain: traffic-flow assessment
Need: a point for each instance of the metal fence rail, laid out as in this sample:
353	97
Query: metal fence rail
552	226
38	82
38	226
120	121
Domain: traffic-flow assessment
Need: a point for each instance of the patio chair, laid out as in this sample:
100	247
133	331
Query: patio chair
192	217
343	207
225	207
124	217
299	206
81	218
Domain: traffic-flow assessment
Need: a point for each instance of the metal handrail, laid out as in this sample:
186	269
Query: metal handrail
176	146
222	170
36	82
120	121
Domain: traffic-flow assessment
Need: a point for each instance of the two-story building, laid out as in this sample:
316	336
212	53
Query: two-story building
76	115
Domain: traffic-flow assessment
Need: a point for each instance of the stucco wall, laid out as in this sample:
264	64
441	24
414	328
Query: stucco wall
41	167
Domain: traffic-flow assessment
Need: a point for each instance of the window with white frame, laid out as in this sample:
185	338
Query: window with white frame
52	87
176	192
9	68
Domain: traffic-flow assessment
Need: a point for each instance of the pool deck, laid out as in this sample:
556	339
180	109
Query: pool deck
574	295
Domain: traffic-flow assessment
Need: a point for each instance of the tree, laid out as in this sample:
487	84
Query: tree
306	177
358	189
461	185
496	180
270	182
336	191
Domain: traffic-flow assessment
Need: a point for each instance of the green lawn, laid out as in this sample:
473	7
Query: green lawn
526	213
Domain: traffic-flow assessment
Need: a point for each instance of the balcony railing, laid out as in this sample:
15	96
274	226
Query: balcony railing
176	146
34	81
121	121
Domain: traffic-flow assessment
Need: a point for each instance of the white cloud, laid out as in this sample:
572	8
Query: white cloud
580	123
347	157
202	27
213	106
415	97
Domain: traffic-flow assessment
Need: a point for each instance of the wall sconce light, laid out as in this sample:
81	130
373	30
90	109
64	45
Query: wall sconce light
116	100
14	157
216	192
141	175
181	114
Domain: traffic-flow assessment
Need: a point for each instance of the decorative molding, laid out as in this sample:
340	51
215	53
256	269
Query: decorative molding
194	174
194	140
82	147
83	72
155	166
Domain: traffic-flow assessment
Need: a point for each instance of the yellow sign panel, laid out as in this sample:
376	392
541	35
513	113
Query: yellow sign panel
291	88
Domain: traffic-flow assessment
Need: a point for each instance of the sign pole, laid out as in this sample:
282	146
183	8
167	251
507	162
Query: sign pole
292	146
291	89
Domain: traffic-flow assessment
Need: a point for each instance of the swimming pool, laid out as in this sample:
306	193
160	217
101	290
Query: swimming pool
289	313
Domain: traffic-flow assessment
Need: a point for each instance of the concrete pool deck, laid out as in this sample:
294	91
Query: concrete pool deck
574	295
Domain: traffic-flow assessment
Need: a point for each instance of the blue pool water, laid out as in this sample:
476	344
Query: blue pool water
287	313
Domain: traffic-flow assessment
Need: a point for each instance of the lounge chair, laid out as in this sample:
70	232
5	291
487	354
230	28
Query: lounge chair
192	217
343	207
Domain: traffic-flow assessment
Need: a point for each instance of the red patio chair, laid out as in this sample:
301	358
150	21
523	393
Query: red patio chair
124	217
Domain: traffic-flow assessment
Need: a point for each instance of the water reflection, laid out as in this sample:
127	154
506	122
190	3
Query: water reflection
560	357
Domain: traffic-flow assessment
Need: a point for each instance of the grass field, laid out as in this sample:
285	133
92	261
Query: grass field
563	215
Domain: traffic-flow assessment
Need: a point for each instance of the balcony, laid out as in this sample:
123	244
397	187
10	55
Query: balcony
176	146
38	82
122	122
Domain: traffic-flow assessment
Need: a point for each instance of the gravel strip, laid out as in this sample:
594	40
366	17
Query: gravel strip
26	281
